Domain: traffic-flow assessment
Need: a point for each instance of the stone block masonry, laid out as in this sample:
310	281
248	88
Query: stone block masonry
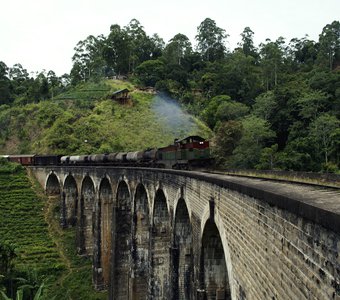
165	234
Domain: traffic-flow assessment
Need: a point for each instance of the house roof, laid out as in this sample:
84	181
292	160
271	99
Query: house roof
120	91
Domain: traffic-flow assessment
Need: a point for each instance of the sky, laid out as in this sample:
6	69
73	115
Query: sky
42	34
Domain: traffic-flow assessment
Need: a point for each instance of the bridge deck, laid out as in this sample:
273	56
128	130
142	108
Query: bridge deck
319	204
327	198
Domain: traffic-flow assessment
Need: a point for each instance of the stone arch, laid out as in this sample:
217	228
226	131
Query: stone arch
141	243
214	214
70	201
160	187
103	234
214	279
85	216
122	227
52	186
182	260
181	195
160	243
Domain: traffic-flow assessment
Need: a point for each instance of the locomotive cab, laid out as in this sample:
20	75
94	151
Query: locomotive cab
192	151
193	148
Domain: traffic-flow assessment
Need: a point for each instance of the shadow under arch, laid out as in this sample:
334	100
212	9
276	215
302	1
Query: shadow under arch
52	185
70	202
103	235
85	211
182	260
160	243
141	243
120	282
214	279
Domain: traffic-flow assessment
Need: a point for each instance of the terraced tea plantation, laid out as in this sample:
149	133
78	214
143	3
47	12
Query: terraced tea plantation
22	224
30	221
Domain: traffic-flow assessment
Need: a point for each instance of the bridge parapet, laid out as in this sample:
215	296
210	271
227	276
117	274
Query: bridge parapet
212	235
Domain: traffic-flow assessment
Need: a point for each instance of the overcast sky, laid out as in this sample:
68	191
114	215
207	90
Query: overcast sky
41	34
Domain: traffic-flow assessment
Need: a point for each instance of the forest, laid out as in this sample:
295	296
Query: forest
272	106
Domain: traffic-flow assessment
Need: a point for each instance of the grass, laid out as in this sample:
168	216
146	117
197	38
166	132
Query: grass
30	221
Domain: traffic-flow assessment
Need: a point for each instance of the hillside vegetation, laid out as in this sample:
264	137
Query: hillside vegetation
22	222
34	251
85	120
273	106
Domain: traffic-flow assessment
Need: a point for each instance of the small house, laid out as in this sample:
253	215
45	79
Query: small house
121	96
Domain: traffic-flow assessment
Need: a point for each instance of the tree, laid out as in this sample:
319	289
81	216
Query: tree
265	105
297	156
65	80
325	131
302	53
7	256
140	45
88	61
157	46
271	61
5	85
209	113
328	83
226	139
19	78
236	76
44	89
239	78
53	81
77	74
231	110
221	108
329	40
312	103
285	111
268	158
116	50
3	70
247	43
211	40
178	48
17	72
150	71
256	133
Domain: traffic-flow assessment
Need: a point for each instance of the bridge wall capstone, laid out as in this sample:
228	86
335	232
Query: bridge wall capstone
211	237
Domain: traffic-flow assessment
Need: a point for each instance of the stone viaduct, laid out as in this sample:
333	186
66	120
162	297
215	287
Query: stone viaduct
166	234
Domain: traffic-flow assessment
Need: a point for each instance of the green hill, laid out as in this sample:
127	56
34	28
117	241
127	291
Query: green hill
86	120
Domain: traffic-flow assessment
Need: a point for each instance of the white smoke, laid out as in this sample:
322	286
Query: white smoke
174	117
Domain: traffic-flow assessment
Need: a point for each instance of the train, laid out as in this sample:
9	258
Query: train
187	153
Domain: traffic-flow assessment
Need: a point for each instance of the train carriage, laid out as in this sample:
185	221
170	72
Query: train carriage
43	160
23	159
192	151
